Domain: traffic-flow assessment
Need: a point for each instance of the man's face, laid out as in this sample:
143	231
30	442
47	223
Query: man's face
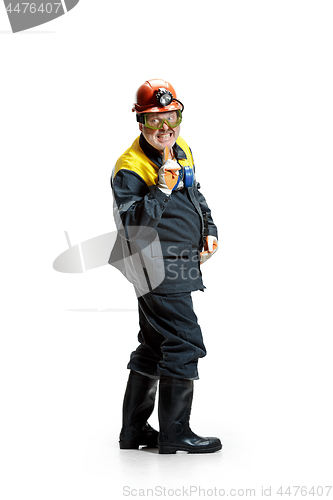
165	136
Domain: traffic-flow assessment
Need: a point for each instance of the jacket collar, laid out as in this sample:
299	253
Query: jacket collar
155	156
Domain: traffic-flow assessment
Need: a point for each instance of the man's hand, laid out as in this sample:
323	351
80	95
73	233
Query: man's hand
209	249
168	176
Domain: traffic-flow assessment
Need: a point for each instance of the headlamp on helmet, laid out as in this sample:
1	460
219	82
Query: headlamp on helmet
164	97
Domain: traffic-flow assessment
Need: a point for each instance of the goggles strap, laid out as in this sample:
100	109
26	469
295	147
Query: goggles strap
140	118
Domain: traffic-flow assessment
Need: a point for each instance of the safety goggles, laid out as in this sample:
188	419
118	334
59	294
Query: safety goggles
155	122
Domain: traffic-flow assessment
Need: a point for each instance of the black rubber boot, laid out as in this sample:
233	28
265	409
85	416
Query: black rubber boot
139	401
175	401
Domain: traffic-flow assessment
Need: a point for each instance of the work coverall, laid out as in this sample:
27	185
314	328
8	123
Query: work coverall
170	337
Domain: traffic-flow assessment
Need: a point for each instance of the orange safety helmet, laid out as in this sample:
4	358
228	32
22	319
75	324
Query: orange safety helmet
156	96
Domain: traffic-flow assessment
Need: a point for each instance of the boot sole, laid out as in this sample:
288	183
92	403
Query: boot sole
166	450
134	445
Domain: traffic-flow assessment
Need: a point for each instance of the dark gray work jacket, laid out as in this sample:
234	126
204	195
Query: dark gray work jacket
160	237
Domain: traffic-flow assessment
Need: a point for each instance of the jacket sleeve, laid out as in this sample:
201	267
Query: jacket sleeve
210	227
136	205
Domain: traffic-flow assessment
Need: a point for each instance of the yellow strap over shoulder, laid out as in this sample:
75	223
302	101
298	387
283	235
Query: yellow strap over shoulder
189	159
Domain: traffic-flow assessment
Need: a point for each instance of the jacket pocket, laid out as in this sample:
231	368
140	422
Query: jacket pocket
172	249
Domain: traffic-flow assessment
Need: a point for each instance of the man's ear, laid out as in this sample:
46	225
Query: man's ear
140	127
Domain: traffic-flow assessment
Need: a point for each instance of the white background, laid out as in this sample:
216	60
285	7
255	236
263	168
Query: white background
256	79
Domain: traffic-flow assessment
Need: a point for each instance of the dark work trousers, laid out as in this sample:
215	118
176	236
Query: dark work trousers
170	338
